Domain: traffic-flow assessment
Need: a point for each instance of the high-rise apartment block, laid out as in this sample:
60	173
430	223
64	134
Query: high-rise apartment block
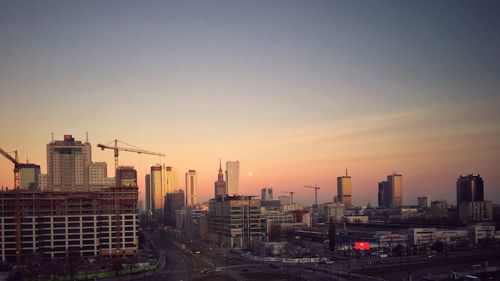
68	164
232	177
220	188
98	176
344	190
235	221
191	185
43	182
266	193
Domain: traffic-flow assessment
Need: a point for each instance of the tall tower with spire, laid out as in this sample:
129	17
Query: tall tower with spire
220	184
344	189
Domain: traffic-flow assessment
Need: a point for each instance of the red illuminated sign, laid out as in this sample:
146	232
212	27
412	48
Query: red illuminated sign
362	246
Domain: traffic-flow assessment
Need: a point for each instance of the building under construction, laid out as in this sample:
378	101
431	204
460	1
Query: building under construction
55	225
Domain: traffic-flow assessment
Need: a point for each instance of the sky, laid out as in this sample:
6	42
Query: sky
297	91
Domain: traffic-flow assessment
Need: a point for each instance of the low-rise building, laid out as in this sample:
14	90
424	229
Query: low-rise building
336	211
480	232
356	219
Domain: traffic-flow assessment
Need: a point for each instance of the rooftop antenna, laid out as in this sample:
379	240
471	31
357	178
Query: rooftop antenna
346	175
86	137
52	136
27	158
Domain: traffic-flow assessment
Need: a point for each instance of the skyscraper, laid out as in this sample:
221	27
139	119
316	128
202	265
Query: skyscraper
68	164
220	184
344	189
470	199
171	179
266	193
395	182
470	188
148	192
191	182
384	195
232	177
157	192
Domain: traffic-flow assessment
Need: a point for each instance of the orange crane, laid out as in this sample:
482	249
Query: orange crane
291	195
117	148
316	188
16	165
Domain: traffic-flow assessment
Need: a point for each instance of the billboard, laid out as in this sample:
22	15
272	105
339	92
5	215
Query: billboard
362	246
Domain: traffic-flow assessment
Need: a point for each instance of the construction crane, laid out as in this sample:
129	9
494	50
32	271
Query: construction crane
16	165
117	199
291	195
316	188
117	148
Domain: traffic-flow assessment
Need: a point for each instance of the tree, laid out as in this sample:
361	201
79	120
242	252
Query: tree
117	264
332	235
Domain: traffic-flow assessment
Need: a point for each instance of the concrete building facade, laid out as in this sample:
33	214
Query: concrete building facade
68	163
191	186
232	177
52	225
235	221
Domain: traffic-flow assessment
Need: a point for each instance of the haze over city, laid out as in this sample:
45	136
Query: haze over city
296	91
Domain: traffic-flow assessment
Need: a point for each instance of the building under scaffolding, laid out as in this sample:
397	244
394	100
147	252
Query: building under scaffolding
55	225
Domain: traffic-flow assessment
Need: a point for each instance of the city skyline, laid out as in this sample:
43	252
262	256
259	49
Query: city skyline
296	92
207	194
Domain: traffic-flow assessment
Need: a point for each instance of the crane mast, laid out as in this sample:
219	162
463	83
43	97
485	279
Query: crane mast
316	188
291	195
16	165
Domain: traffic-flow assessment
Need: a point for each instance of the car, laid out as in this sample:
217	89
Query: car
272	265
205	271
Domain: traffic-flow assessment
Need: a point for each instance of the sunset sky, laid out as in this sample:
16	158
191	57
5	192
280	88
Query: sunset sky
297	91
